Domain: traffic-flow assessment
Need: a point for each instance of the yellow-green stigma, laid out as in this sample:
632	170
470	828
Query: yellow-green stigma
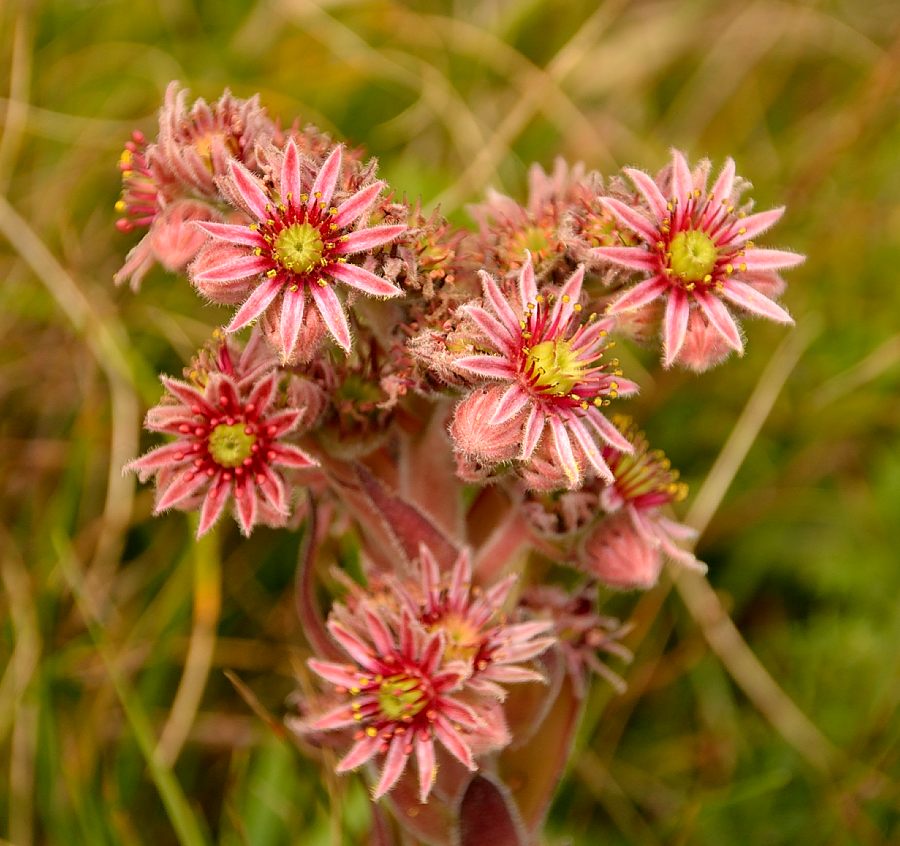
401	696
692	255
231	445
299	247
556	368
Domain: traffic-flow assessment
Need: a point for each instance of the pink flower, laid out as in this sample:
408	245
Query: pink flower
620	556
697	254
626	549
552	364
297	245
581	631
398	696
195	146
168	184
229	438
473	629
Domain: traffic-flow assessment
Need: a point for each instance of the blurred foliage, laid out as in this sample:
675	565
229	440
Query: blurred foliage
452	97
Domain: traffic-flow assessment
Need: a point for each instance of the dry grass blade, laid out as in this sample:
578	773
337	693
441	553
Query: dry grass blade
207	607
187	827
701	600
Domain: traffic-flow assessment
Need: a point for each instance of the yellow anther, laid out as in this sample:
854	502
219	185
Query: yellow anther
120	206
271	273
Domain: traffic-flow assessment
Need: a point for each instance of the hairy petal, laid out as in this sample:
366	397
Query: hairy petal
363	280
747	297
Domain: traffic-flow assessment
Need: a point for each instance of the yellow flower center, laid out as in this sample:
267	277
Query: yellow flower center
557	368
299	247
401	696
692	255
231	445
463	640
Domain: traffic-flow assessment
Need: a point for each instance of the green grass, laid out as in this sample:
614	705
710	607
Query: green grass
112	634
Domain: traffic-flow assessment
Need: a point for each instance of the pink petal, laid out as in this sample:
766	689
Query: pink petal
564	306
250	189
292	308
366	239
431	654
678	309
608	432
182	486
362	751
188	394
394	764
167	455
426	766
213	504
288	455
562	446
721	320
756	259
290	187
332	315
682	181
272	489
431	575
496	332
721	191
354	207
258	301
363	280
247	503
650	191
280	423
457	712
640	295
461	582
352	645
590	450
326	180
515	675
747	297
511	403
261	395
233	269
527	287
634	258
341	675
499	303
632	219
534	428
339	717
381	637
488	366
453	742
756	224
231	233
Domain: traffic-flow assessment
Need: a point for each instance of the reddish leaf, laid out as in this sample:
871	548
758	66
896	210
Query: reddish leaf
488	816
533	771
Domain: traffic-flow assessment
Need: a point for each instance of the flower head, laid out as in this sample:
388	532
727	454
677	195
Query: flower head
698	253
196	145
474	630
553	365
296	247
230	436
626	549
397	694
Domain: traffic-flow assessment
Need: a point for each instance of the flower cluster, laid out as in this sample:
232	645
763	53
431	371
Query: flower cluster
428	661
393	359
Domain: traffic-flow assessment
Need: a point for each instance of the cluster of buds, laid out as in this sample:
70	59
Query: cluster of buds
394	359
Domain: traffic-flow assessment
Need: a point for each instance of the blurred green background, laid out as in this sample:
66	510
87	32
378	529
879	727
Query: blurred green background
102	606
